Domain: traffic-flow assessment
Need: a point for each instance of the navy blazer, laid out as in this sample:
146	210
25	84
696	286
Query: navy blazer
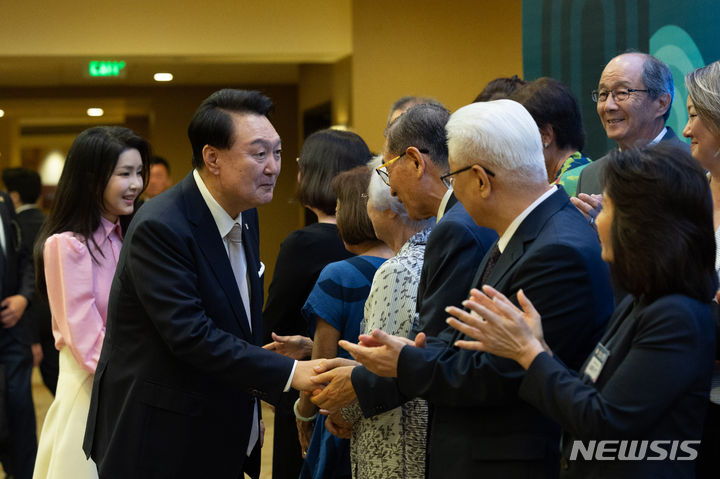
480	427
454	250
653	386
589	180
174	387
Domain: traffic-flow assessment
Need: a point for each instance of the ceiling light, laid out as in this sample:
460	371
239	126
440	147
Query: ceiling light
95	112
2	113
163	76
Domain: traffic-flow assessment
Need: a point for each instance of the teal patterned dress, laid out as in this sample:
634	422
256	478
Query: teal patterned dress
569	173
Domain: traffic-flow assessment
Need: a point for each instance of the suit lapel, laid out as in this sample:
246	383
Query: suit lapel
525	234
256	293
450	203
212	247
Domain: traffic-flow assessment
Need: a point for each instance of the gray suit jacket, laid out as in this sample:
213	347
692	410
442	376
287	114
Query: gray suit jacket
589	181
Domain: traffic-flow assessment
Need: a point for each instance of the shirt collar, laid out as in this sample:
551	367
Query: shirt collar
510	231
659	137
106	229
443	203
223	220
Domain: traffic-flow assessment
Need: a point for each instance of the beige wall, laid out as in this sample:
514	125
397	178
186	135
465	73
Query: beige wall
446	50
304	31
360	54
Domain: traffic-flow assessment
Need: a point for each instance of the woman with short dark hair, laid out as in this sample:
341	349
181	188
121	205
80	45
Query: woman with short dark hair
645	386
334	311
303	254
557	114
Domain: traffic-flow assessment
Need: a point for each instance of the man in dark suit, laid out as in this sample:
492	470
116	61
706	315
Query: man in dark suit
416	157
633	98
479	426
181	371
24	187
16	287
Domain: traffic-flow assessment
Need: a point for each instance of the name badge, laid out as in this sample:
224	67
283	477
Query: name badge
597	362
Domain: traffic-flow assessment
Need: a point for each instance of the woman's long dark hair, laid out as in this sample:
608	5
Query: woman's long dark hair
662	233
79	197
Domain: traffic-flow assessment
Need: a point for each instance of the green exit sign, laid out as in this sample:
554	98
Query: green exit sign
105	68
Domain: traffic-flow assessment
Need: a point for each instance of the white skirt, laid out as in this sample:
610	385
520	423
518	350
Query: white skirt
60	454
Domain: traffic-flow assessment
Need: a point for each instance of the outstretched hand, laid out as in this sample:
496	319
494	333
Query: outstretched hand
334	389
303	373
295	347
498	326
380	351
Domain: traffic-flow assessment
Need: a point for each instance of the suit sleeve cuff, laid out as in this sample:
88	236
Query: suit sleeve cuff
290	378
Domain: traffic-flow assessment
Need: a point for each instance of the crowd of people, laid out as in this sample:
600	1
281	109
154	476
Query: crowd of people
482	299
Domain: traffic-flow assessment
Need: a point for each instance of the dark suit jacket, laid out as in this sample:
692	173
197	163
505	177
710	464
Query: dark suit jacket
654	385
174	387
589	181
480	428
454	250
18	276
37	314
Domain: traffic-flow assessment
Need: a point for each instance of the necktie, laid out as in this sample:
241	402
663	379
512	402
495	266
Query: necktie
490	265
239	267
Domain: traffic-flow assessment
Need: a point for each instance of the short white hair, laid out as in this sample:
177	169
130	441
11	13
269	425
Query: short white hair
500	135
381	199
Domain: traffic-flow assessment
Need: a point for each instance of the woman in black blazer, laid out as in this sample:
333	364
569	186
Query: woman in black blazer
636	408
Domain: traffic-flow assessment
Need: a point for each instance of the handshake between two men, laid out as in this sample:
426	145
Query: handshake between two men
331	387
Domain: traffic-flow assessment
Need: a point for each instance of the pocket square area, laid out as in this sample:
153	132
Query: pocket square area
261	271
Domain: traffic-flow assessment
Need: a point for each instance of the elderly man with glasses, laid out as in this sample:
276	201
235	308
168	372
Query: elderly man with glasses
416	159
633	98
479	425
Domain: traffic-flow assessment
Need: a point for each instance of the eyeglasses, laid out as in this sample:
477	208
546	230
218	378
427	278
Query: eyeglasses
448	178
618	95
382	169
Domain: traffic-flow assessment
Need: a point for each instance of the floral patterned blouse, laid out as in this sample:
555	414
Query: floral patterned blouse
392	445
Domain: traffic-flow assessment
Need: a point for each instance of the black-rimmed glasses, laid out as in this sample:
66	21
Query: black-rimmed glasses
449	178
621	94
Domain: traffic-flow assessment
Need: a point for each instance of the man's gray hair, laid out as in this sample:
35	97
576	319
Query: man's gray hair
500	135
657	77
421	126
404	103
381	199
